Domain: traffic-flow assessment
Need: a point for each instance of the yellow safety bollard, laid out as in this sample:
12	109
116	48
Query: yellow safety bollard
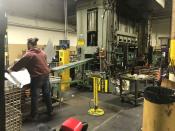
96	111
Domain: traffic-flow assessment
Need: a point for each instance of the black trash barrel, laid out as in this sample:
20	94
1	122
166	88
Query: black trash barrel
159	109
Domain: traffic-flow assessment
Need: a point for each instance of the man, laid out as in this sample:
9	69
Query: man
35	62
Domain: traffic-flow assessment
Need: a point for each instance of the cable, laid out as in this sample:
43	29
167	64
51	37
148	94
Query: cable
104	13
90	106
173	68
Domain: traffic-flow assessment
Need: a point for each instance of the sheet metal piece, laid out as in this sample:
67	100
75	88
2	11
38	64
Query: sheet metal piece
59	69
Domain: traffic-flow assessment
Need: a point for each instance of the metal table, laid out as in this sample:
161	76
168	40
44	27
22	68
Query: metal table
136	92
55	87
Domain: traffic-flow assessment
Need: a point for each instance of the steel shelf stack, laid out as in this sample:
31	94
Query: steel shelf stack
13	108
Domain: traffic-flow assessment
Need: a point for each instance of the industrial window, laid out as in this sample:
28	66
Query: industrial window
92	27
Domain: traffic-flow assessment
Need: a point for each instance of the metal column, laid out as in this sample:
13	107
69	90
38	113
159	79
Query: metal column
172	44
173	21
3	23
65	17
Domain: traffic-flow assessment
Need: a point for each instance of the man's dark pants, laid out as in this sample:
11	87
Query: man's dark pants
38	83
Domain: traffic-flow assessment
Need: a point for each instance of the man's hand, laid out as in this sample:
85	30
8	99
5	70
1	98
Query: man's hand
9	70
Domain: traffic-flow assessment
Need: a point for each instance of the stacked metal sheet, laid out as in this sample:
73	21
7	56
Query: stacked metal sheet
13	108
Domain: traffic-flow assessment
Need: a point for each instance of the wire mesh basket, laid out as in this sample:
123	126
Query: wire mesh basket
13	108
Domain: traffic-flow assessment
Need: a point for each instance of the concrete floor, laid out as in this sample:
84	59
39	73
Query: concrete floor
118	116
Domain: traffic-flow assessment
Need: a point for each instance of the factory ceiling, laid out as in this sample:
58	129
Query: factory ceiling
143	9
42	9
54	9
163	12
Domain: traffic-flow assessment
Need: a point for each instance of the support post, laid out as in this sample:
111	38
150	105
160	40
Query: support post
172	45
3	24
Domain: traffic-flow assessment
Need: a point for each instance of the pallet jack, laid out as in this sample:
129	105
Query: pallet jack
71	124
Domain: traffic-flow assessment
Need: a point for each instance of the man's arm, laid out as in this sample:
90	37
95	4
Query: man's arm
21	63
